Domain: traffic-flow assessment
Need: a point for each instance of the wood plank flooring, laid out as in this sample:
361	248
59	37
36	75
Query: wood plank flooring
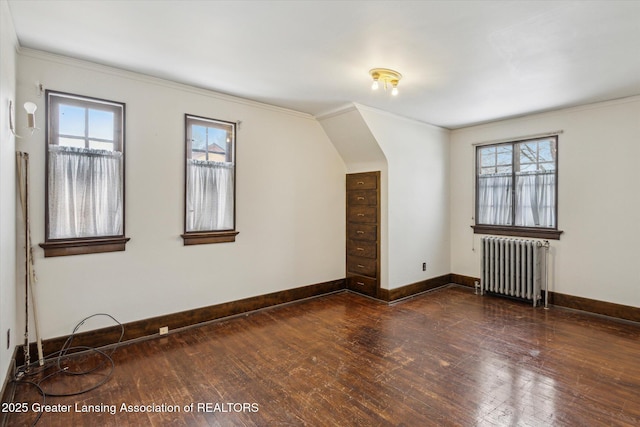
444	358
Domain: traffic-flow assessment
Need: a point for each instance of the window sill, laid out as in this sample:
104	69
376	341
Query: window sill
538	233
55	248
209	237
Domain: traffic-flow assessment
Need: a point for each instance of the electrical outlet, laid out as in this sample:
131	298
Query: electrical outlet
424	266
164	330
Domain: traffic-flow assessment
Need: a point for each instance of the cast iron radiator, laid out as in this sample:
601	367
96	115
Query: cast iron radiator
514	268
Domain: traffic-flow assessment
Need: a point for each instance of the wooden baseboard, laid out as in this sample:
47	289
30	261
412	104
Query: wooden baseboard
6	394
460	279
610	309
150	327
604	308
391	295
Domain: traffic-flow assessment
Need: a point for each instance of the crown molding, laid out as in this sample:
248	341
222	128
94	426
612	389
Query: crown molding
362	107
343	109
550	112
348	108
133	75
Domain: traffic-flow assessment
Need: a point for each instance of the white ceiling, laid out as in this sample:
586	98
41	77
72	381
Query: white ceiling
463	62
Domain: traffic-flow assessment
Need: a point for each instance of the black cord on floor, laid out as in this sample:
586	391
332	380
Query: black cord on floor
44	397
68	352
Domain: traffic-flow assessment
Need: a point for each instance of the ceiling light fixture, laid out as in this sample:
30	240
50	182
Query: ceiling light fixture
387	77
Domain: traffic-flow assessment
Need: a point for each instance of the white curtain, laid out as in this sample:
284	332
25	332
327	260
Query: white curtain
209	195
85	192
494	199
536	194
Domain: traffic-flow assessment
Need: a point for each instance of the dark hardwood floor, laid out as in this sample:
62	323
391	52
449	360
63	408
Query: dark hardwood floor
445	358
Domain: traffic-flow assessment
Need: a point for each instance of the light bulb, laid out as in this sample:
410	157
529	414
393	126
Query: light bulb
375	85
30	107
394	91
31	118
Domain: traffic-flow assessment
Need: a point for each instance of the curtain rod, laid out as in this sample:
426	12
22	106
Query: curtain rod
519	138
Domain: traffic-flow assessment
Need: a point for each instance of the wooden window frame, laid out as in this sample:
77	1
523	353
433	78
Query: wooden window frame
552	233
211	236
93	244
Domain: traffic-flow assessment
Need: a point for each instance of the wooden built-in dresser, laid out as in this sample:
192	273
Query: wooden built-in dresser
363	232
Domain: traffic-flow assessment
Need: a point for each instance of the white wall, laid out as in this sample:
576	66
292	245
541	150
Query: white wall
361	152
417	202
598	255
290	202
413	158
8	44
354	141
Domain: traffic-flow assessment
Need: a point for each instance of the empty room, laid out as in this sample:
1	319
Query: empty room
320	213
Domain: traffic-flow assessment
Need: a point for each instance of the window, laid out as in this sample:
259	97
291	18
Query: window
516	188
210	181
85	175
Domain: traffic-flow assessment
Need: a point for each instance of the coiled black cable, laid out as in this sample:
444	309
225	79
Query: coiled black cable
68	352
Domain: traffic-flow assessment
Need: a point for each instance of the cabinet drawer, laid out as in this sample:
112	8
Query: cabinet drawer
366	214
362	181
356	231
363	285
363	266
364	197
362	249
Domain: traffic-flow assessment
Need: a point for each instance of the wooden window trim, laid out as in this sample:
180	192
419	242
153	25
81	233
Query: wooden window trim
84	245
514	230
209	237
214	236
54	248
499	230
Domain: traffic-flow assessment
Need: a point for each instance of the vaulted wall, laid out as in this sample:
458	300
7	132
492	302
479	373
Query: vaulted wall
413	158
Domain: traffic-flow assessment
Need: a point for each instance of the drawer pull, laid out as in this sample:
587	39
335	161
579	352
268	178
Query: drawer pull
359	232
360	283
359	249
360	198
360	214
360	183
360	266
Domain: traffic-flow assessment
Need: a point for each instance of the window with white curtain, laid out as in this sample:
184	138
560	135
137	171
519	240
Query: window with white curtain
210	181
85	175
516	188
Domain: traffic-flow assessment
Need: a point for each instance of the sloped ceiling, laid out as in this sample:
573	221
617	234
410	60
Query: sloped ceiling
354	140
463	62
